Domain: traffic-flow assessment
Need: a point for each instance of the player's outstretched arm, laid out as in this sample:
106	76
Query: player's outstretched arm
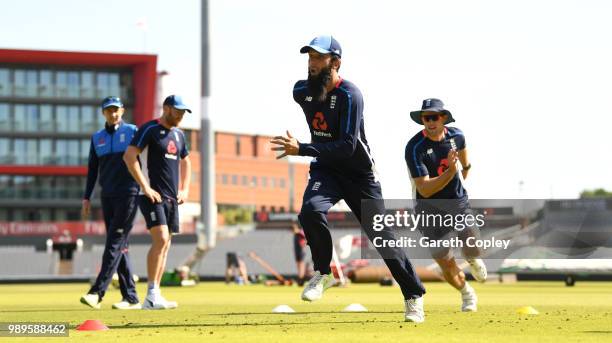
130	157
287	144
183	193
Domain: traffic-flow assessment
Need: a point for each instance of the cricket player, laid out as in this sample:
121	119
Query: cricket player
432	156
342	168
163	153
119	204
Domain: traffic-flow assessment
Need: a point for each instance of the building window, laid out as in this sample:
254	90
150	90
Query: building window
84	157
102	85
273	182
5	117
6	157
46	152
19	118
254	181
45	86
19	151
224	179
87	85
281	183
47	122
234	179
264	181
61	84
31	83
19	83
5	82
31	124
74	123
245	180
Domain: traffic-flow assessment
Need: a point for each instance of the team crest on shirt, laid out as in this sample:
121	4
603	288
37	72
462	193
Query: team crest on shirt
101	141
171	149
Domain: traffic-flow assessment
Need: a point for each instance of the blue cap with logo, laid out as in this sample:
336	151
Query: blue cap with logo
111	101
324	45
176	101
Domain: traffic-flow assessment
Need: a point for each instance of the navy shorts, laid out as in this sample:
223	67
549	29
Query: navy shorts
164	213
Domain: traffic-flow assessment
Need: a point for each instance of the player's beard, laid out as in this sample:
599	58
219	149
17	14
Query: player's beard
317	84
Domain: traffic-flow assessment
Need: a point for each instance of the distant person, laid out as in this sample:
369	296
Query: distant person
119	204
299	245
236	269
432	156
164	155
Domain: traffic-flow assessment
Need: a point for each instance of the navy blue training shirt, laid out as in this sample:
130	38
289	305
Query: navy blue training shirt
106	161
338	140
162	148
427	157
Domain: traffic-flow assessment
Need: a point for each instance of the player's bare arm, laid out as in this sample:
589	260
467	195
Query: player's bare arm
85	209
463	158
130	157
427	186
183	193
287	144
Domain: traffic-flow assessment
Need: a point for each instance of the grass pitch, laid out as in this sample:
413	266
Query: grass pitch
216	312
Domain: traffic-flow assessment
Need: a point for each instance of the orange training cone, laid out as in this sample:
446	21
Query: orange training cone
92	325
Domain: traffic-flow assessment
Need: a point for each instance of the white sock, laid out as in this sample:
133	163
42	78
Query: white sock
466	289
153	290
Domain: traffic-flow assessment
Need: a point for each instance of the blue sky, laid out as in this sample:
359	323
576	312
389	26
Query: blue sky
527	81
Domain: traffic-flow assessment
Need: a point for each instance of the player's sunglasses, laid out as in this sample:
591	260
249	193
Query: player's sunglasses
430	117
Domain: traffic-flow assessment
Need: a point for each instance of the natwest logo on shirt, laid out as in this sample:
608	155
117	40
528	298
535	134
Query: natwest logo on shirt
318	122
171	149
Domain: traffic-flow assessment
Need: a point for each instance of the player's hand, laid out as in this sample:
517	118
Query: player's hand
452	158
182	196
289	145
85	209
152	195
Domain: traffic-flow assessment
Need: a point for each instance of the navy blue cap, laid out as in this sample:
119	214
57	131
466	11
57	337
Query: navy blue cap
432	105
323	45
176	101
111	101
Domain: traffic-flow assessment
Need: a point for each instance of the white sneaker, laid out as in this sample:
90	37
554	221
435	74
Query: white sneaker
124	305
414	310
91	300
159	303
317	285
470	301
478	269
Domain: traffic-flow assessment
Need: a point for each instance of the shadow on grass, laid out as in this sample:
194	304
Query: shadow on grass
159	326
609	332
299	313
49	310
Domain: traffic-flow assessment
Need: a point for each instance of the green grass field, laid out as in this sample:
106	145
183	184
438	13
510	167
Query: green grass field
214	311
